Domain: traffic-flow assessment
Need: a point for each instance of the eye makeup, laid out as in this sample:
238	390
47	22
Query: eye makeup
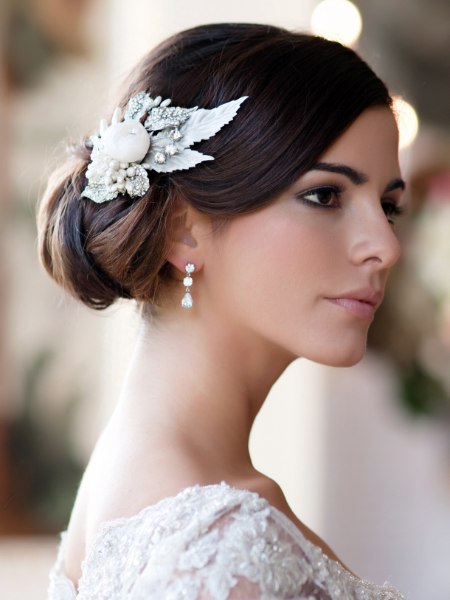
329	196
322	196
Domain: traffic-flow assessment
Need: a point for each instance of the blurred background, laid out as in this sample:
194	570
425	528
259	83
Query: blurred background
363	454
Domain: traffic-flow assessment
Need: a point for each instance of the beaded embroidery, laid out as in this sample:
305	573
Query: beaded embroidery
210	542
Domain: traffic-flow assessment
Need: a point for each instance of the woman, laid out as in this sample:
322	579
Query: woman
270	239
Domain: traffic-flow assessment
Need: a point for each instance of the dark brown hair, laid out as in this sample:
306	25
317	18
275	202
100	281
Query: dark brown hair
303	92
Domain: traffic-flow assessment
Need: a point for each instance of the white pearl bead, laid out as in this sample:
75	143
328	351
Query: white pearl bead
131	171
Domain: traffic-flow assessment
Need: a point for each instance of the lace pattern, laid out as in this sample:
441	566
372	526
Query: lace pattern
209	543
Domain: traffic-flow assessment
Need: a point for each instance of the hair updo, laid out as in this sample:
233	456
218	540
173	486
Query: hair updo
303	92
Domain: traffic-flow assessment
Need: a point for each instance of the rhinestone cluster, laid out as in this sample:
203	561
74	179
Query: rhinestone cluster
142	103
162	117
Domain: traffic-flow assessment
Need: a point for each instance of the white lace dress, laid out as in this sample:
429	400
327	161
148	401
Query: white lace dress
209	543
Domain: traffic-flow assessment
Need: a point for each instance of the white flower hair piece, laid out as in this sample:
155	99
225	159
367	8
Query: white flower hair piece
124	150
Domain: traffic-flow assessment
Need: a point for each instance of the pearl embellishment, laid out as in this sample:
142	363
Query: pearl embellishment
126	142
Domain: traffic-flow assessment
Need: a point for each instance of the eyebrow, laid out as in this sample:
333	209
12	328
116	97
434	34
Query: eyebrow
356	177
395	184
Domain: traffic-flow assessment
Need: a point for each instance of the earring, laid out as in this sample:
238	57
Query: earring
187	301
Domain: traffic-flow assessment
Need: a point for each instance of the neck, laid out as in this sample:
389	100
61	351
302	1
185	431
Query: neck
198	386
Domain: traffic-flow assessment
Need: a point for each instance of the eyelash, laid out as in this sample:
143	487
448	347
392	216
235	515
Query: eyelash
390	207
392	210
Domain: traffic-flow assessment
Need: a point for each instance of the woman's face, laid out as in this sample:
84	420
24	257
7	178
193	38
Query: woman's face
308	272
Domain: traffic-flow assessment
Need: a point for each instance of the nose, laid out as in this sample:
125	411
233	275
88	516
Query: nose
374	241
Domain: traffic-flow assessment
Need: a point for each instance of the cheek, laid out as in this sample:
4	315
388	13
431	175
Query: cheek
270	275
270	264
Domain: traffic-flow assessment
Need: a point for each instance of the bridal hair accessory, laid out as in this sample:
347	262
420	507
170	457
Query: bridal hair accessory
124	150
187	301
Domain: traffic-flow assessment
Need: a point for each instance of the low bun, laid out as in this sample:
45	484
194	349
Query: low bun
101	252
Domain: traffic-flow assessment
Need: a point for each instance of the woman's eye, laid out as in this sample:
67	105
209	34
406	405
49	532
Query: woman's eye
391	210
328	197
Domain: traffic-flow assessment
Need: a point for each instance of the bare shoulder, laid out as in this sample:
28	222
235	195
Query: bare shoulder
123	479
270	490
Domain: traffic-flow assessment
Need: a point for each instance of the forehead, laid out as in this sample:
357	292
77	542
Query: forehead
370	142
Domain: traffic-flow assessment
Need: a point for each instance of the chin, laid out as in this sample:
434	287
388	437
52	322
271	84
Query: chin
349	361
341	357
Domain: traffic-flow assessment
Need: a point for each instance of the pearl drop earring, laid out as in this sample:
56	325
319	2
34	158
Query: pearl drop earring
187	301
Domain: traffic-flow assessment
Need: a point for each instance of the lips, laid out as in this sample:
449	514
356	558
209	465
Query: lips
360	303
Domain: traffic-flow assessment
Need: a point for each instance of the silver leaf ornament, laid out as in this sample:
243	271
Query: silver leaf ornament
204	123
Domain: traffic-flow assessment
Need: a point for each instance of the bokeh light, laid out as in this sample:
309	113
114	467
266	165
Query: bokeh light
338	20
407	120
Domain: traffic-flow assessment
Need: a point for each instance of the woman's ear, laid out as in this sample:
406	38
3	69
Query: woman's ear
187	230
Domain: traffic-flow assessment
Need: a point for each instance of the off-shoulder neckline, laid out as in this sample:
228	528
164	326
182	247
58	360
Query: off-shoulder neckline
109	525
